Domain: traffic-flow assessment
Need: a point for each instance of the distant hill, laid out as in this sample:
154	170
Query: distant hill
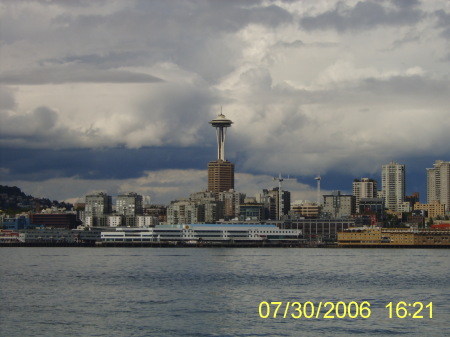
13	200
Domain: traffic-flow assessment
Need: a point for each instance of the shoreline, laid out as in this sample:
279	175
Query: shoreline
208	245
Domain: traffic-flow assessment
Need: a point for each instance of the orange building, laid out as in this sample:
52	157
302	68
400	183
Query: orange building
434	209
394	237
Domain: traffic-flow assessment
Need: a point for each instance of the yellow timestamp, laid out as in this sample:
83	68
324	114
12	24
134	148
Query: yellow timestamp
314	310
341	309
403	309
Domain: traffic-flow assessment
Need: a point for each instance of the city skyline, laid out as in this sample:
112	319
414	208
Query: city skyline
116	96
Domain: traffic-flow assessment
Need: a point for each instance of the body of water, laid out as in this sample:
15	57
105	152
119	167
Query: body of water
219	291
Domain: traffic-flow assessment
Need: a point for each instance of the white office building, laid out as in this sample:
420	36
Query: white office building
364	188
393	185
438	183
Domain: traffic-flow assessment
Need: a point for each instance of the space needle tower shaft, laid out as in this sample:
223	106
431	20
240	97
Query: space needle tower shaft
221	123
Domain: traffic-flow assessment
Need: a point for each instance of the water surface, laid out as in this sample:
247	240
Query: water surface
216	291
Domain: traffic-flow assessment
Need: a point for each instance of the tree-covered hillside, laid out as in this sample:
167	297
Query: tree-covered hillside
13	200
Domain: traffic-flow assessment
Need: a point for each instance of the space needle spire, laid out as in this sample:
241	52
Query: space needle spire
221	123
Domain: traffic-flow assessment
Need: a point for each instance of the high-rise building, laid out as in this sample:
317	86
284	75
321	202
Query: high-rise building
438	183
98	204
393	185
182	212
272	203
129	204
231	201
220	176
207	208
220	171
364	188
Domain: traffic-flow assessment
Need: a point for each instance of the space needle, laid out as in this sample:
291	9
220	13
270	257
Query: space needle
221	123
220	171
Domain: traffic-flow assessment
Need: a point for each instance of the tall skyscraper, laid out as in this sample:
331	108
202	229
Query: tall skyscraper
393	185
220	176
438	183
364	188
220	171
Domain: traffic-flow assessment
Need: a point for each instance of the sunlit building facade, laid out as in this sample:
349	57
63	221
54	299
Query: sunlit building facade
438	183
393	185
364	188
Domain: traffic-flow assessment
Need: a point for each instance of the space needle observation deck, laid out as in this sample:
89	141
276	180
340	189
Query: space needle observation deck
221	123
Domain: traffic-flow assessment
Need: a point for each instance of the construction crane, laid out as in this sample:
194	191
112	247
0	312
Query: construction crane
280	194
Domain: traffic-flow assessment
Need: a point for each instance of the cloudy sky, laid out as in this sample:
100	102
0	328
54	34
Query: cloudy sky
115	96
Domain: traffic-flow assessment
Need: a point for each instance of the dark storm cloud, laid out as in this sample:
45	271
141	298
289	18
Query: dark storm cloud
107	163
363	16
415	176
73	73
